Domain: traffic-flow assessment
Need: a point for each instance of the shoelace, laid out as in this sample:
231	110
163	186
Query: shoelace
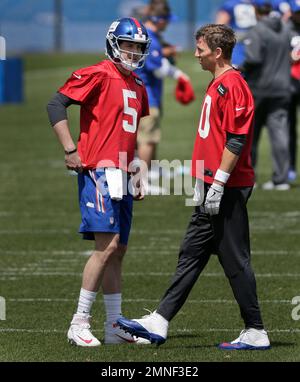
244	331
147	315
85	326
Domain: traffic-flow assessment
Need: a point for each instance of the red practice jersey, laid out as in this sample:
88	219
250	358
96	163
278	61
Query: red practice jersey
111	107
228	106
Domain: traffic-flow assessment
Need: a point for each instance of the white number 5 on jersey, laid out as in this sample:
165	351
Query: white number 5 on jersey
204	125
130	128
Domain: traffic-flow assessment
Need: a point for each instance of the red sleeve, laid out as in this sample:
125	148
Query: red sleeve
80	85
238	109
145	104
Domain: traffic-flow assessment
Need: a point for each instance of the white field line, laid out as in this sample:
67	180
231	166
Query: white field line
275	253
53	214
41	253
135	300
50	72
132	250
134	274
35	231
184	330
155	235
280	230
268	214
252	214
36	215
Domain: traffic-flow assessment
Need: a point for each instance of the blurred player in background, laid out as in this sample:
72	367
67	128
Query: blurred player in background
223	143
294	26
267	71
112	100
240	16
156	68
142	12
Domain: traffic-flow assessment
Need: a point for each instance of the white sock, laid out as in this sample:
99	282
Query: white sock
163	324
86	299
112	304
161	320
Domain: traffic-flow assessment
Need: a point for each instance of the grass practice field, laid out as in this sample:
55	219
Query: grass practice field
42	256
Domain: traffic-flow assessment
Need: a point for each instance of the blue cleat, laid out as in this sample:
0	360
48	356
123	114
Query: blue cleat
147	327
241	346
249	339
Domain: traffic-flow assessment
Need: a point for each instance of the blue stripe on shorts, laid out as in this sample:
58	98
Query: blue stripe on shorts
99	213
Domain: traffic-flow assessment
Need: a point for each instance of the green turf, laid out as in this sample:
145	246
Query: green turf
41	254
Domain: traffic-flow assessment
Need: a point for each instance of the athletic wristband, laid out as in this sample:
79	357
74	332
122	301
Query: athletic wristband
70	152
222	176
177	73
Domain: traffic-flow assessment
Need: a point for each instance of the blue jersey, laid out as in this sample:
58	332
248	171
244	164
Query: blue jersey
242	14
154	86
242	18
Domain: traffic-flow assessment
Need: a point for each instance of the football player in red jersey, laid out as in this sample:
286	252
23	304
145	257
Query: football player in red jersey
113	100
220	224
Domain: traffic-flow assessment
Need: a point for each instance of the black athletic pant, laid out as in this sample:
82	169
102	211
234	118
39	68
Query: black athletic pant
227	235
293	136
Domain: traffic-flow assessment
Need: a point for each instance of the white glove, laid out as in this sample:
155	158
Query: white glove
213	199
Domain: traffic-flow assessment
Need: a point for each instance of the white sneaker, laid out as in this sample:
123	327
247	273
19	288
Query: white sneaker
152	327
249	339
79	332
268	186
115	335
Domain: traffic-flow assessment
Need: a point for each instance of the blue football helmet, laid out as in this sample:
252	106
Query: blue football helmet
127	29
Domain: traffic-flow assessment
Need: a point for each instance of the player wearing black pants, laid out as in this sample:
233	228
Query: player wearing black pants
221	163
208	235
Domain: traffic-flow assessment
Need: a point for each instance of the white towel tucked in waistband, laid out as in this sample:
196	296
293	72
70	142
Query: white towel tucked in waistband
114	178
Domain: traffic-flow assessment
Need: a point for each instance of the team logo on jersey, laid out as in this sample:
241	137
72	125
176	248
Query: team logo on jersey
77	75
138	81
222	90
208	172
